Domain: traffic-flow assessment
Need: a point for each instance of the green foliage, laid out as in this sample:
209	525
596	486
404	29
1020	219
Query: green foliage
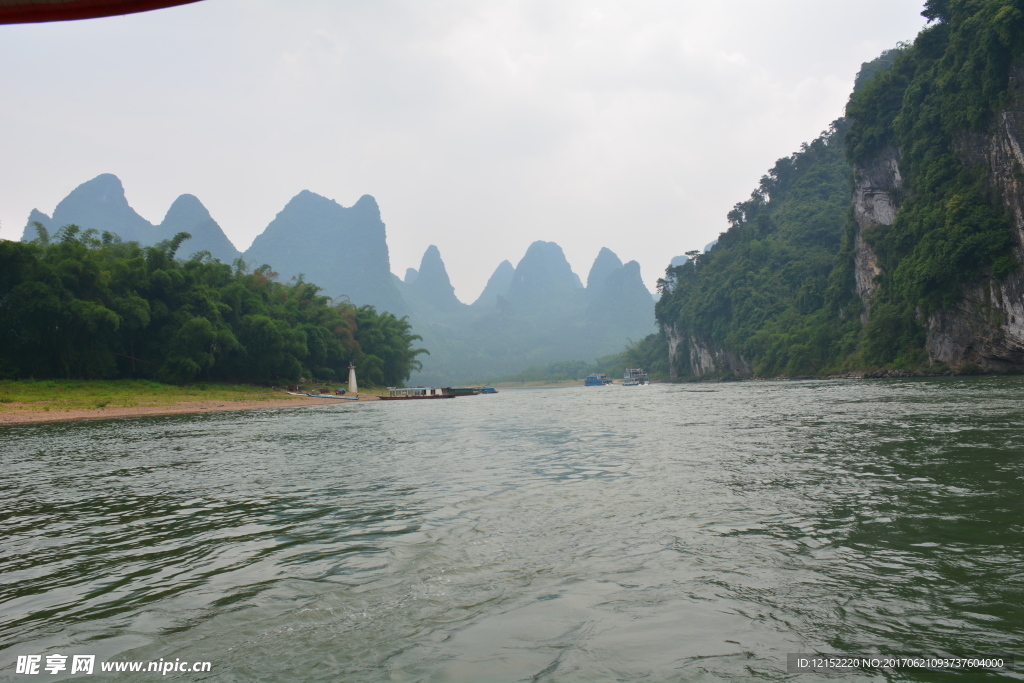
391	358
768	290
778	289
881	63
76	306
951	227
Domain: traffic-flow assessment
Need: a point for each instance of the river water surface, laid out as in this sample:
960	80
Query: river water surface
670	532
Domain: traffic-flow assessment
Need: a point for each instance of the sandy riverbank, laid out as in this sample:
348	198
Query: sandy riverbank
17	414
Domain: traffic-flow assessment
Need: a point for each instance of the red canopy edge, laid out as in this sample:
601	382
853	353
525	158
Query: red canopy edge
27	12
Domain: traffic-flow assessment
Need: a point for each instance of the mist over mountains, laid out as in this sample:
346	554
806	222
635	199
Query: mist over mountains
344	250
535	312
100	204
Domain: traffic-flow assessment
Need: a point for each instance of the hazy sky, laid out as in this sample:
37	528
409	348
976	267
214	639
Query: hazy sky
478	125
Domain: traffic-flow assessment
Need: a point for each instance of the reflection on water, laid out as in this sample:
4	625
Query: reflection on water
670	532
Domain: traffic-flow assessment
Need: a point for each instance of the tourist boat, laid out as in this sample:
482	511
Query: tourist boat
406	393
596	380
635	377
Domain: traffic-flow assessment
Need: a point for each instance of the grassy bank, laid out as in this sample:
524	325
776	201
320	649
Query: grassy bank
64	395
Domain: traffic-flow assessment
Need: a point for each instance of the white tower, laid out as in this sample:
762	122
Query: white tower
353	388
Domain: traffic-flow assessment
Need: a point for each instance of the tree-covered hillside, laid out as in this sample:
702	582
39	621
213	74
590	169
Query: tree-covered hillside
796	285
931	105
83	306
761	291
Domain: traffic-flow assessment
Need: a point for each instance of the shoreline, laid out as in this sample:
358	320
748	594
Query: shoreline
20	416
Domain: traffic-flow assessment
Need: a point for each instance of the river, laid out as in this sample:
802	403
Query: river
687	532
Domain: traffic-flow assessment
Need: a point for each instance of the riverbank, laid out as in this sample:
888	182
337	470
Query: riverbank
34	402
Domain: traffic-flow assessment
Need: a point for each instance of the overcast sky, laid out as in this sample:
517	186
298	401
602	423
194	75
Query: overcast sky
478	125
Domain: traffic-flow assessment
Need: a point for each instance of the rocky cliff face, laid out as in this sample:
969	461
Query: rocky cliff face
676	346
689	355
709	359
986	328
876	194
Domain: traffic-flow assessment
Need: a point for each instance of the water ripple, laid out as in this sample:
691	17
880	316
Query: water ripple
670	532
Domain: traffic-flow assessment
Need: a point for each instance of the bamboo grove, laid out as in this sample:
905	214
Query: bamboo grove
81	305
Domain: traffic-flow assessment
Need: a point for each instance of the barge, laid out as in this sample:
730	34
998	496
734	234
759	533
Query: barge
416	393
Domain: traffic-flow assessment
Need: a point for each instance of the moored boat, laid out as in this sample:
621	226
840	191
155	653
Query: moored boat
406	393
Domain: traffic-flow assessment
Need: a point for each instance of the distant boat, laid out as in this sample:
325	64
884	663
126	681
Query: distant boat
407	393
597	380
465	391
488	390
635	377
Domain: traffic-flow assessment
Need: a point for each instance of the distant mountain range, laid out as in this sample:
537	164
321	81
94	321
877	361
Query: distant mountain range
538	311
534	313
100	204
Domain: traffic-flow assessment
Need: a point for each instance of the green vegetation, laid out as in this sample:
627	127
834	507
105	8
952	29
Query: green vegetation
952	227
80	306
767	290
778	288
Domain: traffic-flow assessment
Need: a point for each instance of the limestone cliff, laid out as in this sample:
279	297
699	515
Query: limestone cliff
876	199
986	327
690	355
709	359
676	346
